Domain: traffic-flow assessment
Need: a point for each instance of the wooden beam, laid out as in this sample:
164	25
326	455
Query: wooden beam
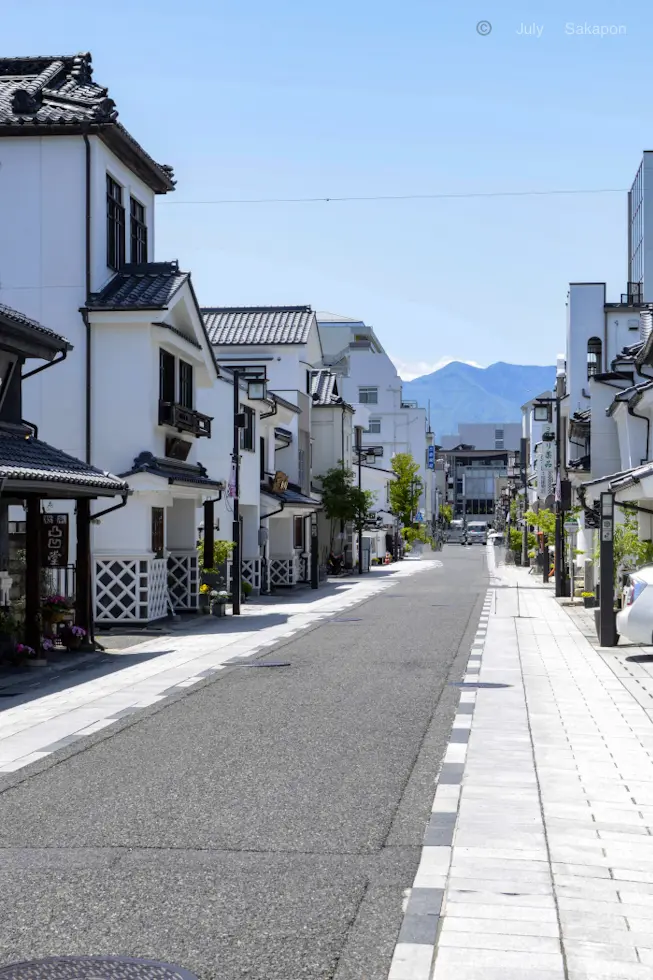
33	573
83	597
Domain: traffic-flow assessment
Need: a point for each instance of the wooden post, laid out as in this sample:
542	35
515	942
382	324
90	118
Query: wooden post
607	631
315	573
83	600
33	573
209	533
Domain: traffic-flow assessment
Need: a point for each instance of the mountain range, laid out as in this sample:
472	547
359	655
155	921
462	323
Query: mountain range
460	392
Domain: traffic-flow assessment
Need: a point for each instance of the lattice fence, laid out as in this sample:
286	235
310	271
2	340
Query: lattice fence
183	581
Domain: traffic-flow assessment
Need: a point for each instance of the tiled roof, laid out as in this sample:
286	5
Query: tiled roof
258	324
25	459
324	387
173	471
583	416
293	498
13	317
55	93
149	286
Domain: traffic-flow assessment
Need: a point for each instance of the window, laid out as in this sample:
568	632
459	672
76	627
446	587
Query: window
594	350
298	532
308	382
374	426
247	434
115	225
368	396
157	531
498	444
262	453
166	377
138	231
185	384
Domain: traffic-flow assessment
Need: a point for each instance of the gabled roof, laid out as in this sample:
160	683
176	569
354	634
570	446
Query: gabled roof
324	317
148	286
173	471
19	325
51	95
630	395
24	459
324	388
258	324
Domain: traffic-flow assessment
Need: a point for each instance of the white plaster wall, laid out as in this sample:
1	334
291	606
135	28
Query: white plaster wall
280	543
632	437
181	525
585	319
42	250
129	531
604	439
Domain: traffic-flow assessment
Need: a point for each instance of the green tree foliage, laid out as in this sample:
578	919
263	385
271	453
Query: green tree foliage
343	501
543	520
221	553
446	513
629	551
406	490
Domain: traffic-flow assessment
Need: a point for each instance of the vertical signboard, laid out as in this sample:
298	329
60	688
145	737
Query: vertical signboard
431	457
54	540
545	466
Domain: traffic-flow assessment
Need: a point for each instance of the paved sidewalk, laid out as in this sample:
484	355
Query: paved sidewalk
538	859
34	727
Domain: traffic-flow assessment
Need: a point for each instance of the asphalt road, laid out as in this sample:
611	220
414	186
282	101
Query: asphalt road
263	826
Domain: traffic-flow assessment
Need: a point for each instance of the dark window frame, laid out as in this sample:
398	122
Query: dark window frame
115	224
262	453
186	385
167	375
158	531
299	539
247	434
137	231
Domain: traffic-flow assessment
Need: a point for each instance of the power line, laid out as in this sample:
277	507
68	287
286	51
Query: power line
397	197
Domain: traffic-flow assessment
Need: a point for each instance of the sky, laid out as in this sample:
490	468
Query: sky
251	100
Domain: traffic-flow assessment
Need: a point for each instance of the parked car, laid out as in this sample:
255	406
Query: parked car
635	618
477	532
457	533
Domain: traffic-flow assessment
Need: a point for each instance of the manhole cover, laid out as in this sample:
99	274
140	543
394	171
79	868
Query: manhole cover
93	968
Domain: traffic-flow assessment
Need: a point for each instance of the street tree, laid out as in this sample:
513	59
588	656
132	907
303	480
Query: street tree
406	490
343	501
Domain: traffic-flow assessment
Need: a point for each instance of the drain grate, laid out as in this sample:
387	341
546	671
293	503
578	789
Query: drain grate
345	621
93	968
274	663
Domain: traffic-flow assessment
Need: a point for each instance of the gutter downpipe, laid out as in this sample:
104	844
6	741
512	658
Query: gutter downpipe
94	517
44	367
87	284
644	418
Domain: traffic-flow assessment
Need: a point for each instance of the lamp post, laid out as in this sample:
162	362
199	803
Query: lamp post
256	391
560	565
359	454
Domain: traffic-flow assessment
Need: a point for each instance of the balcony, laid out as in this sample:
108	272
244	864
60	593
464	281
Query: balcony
184	419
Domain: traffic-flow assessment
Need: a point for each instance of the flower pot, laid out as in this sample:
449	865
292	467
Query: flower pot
219	609
55	617
588	601
73	643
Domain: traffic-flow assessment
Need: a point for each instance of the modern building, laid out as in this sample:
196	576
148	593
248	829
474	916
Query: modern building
352	350
640	232
485	435
471	479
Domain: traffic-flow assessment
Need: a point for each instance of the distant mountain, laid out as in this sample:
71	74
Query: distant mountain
462	393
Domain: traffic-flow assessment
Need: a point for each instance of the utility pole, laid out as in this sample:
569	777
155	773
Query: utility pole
236	562
359	453
524	481
560	577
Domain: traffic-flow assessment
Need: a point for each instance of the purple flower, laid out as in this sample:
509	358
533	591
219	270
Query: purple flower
26	651
77	631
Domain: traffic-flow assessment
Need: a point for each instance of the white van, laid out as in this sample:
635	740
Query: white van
477	532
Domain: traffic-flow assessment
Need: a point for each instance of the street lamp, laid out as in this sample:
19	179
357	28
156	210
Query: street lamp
541	405
256	391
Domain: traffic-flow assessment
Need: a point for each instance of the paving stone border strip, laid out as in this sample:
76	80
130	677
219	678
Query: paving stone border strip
415	949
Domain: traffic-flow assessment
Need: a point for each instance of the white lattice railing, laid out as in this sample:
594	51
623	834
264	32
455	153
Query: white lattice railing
129	589
251	573
281	571
183	580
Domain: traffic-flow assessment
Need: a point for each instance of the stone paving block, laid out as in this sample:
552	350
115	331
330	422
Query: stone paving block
490	940
470	909
490	959
411	962
581	968
420	929
602	952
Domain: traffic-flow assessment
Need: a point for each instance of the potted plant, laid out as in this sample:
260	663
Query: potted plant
205	602
72	637
589	599
55	608
28	655
219	603
246	590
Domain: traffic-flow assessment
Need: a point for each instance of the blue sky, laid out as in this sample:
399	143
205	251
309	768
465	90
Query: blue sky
255	99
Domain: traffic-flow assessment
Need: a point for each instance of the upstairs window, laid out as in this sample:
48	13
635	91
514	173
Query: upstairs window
247	434
368	396
138	230
166	377
158	531
374	426
185	384
594	351
115	225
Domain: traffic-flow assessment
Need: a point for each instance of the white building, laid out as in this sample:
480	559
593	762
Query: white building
640	232
368	377
283	341
78	184
485	435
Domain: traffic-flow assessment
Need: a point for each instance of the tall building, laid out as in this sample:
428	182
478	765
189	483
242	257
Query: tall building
485	435
640	232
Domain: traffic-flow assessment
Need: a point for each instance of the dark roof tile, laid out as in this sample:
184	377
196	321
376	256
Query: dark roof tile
258	324
149	286
12	316
324	387
173	471
25	459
